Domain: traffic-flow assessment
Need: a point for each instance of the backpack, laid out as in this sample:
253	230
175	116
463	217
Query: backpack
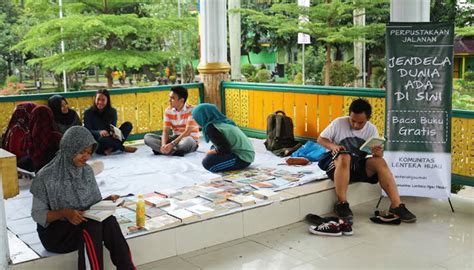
279	132
14	138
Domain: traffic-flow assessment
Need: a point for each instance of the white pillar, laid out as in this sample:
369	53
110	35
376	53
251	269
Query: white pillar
234	40
213	31
409	10
4	249
213	65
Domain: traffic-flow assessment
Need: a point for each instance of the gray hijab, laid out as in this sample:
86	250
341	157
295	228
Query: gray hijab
61	184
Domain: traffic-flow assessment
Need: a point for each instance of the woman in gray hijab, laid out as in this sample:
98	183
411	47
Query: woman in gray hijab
62	190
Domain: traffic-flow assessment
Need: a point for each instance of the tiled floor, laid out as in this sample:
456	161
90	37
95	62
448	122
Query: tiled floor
438	240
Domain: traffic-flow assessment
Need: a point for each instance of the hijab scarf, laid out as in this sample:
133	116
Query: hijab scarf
205	114
61	184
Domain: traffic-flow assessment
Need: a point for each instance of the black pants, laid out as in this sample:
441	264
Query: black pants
223	162
87	238
110	142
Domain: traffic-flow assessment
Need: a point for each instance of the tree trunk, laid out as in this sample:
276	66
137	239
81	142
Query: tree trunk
327	65
110	79
9	65
96	71
20	68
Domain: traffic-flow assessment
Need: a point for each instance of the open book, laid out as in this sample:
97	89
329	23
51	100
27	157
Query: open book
116	131
371	142
102	209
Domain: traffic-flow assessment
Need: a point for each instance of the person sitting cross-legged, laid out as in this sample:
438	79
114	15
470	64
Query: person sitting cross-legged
98	119
343	137
179	119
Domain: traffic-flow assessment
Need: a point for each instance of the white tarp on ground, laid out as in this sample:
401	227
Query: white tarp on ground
140	172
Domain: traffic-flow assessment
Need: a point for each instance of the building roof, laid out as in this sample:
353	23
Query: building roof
464	45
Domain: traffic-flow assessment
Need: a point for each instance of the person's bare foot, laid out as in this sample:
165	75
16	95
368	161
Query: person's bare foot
108	151
129	149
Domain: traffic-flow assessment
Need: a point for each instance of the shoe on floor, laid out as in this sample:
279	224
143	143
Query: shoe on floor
343	210
346	227
403	213
156	152
330	228
317	220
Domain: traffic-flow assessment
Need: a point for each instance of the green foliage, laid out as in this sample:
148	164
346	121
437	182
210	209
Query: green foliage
13	79
293	69
463	101
76	86
443	10
465	31
377	77
263	76
298	79
314	63
342	73
3	71
330	23
455	188
248	70
109	34
469	76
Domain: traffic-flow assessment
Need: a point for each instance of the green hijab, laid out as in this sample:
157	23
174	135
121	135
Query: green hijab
205	114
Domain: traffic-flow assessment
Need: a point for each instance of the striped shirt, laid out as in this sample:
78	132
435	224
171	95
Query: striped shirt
178	120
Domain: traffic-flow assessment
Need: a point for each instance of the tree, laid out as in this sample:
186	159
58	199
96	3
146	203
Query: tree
9	14
111	34
329	23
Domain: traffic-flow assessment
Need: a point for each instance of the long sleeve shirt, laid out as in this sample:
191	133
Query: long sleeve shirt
95	123
218	140
39	212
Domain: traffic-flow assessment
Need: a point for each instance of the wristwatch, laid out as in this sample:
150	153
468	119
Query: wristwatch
173	143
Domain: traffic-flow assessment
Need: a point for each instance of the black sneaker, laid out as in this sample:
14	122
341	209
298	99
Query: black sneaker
317	220
403	213
346	227
342	210
330	228
156	152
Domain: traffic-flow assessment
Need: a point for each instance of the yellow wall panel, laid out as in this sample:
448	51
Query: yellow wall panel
6	110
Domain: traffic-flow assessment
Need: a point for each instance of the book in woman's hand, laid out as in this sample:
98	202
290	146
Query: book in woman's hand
102	210
117	132
371	142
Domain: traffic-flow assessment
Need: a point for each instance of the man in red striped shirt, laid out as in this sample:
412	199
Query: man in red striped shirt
179	119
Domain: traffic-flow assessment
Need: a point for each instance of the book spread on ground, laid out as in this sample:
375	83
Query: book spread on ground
243	200
214	197
371	142
157	201
116	131
184	215
202	211
266	194
162	222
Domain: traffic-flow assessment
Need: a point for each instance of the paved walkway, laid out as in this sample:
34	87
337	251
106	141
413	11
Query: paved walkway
439	239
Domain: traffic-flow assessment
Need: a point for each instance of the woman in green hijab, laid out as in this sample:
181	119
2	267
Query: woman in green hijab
231	149
62	190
